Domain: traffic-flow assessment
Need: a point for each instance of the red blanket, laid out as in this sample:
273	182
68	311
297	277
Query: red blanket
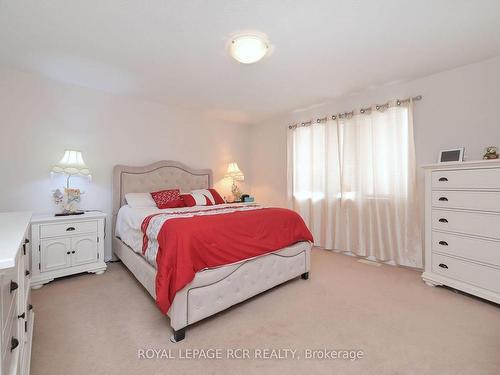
190	244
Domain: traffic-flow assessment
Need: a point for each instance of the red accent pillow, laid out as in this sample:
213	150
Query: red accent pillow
190	200
218	199
168	198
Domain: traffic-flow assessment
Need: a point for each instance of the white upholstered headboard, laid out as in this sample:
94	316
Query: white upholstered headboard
165	174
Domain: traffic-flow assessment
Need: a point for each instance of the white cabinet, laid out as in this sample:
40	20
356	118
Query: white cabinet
462	227
16	324
84	250
54	254
67	245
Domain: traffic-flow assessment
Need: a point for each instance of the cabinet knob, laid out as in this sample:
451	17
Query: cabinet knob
22	316
443	243
13	286
442	265
70	229
14	343
443	220
27	273
443	199
443	179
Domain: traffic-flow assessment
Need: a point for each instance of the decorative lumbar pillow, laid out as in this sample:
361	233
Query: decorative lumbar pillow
139	200
196	199
168	198
212	195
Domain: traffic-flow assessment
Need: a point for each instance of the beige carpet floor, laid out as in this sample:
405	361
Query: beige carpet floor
90	324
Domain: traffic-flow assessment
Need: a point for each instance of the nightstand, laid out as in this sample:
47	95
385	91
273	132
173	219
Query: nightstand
66	245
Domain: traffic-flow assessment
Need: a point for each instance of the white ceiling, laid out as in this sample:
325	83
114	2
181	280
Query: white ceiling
175	51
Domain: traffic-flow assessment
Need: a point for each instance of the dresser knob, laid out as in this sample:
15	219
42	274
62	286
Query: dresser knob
443	179
27	273
443	243
13	286
22	316
30	307
70	229
443	220
443	199
14	343
73	252
442	265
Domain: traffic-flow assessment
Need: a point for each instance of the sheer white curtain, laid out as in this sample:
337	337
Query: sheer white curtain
354	182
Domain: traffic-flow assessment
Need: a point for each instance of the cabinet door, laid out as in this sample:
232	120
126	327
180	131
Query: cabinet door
54	254
84	249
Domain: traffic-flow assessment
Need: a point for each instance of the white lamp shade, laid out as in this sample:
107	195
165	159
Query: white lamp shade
234	172
71	163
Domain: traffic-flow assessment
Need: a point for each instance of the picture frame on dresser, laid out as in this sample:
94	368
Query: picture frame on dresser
67	245
452	155
462	227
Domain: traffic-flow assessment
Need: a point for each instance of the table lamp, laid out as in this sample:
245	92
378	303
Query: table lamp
234	173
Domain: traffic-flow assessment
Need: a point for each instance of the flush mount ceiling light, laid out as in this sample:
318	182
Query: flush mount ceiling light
248	49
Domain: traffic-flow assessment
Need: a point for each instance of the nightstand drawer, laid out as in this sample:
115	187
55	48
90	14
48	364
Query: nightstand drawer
72	228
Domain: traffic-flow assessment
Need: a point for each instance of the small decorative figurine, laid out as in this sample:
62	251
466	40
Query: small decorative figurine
491	153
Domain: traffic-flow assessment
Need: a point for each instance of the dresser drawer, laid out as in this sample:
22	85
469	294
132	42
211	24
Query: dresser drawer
480	250
470	200
488	179
8	355
475	223
472	273
63	229
9	299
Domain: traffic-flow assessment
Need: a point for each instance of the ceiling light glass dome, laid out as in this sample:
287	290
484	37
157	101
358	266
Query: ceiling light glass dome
248	49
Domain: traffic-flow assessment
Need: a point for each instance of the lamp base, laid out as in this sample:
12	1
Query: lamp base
70	213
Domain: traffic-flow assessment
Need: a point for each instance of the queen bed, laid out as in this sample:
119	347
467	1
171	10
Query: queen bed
212	289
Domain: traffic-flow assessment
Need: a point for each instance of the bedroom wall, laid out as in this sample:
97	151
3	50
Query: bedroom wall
40	118
459	108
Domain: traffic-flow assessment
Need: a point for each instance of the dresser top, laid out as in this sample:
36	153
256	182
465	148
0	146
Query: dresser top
50	218
13	227
465	164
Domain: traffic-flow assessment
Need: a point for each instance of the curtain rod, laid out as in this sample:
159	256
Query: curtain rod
378	107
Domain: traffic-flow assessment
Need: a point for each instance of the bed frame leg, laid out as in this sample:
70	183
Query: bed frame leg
179	335
305	275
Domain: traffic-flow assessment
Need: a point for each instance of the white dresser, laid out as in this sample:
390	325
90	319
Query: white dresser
65	245
462	227
16	311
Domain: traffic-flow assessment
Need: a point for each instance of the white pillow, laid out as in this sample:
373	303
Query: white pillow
135	200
